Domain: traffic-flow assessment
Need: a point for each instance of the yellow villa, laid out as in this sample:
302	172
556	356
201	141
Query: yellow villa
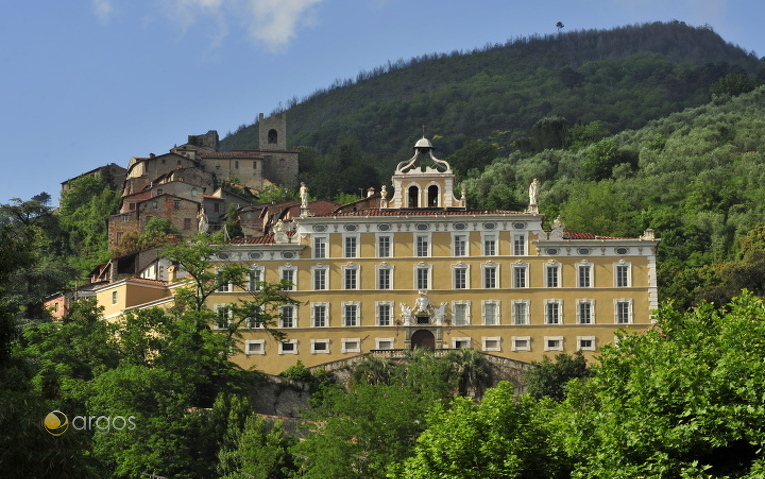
419	269
422	270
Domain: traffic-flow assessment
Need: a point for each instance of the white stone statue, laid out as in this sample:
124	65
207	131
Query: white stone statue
439	313
422	304
303	195
558	224
202	218
533	192
384	193
279	226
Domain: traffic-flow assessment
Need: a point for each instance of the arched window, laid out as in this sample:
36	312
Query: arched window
433	196
413	196
273	136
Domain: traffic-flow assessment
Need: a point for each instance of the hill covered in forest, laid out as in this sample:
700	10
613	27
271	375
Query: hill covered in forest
622	77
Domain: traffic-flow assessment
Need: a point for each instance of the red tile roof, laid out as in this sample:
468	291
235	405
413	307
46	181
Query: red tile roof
588	236
418	212
267	239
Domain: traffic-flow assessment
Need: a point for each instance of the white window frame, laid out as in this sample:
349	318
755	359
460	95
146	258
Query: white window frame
466	246
516	339
115	297
384	267
289	270
282	310
466	340
317	271
498	316
379	305
347	345
585	266
314	342
455	304
314	317
356	276
520	246
320	247
259	342
422	245
553	266
351	245
630	317
579	305
224	287
485	340
526	311
591	347
229	314
379	343
252	322
520	265
428	276
549	347
485	268
260	272
465	268
489	239
622	266
293	342
557	306
378	245
356	319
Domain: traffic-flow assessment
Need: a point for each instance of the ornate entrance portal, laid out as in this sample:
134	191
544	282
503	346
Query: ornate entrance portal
423	339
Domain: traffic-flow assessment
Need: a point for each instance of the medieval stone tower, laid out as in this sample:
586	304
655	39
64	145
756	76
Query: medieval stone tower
281	164
273	131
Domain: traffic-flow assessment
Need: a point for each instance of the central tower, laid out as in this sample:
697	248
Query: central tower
423	182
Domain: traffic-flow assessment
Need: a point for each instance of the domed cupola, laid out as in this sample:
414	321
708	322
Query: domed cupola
424	181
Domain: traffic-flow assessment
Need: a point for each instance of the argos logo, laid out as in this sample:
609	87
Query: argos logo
57	423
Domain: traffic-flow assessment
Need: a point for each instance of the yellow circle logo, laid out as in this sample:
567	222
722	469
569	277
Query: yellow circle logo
56	423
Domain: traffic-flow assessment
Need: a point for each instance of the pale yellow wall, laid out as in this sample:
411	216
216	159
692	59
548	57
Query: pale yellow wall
129	294
441	260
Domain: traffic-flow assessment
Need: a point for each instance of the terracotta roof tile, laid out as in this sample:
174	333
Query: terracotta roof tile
420	212
588	236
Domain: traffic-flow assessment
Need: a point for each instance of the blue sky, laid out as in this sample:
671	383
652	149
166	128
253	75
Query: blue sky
91	82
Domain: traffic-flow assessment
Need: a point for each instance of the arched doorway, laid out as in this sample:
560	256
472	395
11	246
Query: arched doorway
423	339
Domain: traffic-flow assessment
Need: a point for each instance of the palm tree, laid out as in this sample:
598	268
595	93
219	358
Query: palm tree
471	372
373	370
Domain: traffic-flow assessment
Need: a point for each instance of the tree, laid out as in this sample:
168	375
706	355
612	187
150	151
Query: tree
262	454
26	449
82	212
499	437
158	232
470	371
683	399
360	432
372	370
549	379
232	225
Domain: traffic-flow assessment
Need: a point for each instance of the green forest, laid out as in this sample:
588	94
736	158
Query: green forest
649	126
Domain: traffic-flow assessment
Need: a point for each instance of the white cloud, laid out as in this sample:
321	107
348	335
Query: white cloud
274	23
103	9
